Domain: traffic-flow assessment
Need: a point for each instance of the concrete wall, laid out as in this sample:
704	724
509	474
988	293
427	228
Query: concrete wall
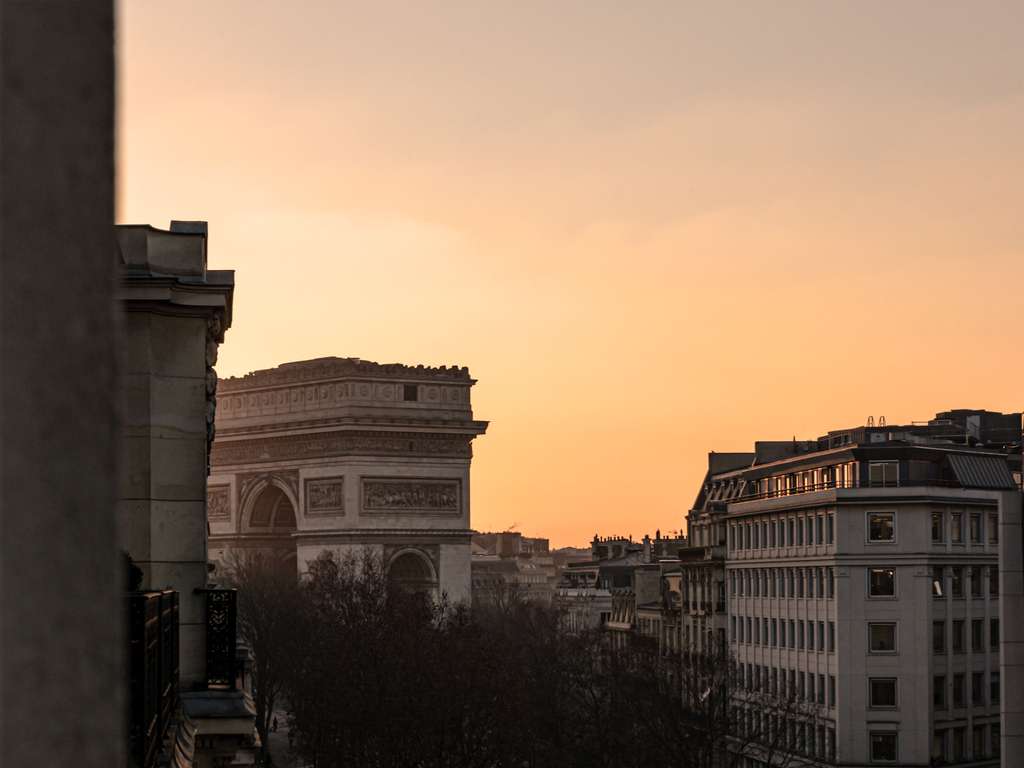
61	684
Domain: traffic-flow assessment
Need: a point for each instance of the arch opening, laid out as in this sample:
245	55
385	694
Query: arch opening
412	572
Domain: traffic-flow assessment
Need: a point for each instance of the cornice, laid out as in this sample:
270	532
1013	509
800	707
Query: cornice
334	368
353	423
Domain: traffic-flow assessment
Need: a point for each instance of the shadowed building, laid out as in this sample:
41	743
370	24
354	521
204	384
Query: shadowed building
341	454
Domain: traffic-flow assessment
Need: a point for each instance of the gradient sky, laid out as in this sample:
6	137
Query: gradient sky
650	229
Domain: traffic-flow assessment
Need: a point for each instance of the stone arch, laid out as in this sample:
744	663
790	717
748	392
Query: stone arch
411	569
269	506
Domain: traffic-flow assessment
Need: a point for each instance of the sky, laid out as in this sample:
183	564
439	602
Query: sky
651	230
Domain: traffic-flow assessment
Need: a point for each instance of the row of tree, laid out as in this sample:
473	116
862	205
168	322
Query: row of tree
377	677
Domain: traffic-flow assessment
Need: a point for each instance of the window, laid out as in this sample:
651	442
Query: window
977	635
789	534
993	687
882	692
832	690
958	743
810	635
821	636
975	581
831	637
958	581
993	634
882	582
956	525
883	474
974	527
821	688
958	690
937	582
993	582
800	634
993	528
792	633
939	752
819	533
939	691
800	531
830	528
883	747
978	741
997	743
782	633
410	393
799	582
958	636
939	636
882	638
937	528
831	583
881	526
977	689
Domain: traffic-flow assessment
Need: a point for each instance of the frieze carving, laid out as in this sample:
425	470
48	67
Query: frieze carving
335	367
325	496
401	495
313	397
289	447
218	502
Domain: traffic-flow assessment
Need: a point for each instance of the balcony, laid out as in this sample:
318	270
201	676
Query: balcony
153	672
221	638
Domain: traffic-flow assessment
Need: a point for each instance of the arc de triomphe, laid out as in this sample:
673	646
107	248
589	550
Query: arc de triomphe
339	454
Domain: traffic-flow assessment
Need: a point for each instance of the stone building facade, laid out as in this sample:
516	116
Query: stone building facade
342	454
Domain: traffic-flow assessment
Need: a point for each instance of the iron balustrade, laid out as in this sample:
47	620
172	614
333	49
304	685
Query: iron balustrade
812	487
153	672
221	637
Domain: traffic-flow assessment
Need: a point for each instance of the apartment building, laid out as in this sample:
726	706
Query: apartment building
862	582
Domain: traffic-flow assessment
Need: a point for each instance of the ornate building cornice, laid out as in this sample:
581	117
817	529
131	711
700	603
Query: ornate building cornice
347	443
326	368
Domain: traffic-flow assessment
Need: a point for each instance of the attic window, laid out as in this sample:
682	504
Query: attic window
410	393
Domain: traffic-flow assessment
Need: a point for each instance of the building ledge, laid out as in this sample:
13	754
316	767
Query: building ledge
218	704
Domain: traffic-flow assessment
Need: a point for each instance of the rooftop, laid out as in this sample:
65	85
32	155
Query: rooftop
326	368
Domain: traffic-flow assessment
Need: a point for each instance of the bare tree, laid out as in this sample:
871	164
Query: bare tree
268	611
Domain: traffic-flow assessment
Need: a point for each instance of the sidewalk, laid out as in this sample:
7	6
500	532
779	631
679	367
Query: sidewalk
278	744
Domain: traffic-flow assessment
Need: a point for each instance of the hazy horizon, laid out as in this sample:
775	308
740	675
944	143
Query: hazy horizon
650	231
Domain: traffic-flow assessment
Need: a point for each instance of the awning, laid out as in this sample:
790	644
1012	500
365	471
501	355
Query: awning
974	471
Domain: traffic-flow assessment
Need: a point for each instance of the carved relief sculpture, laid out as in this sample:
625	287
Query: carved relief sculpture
396	495
325	496
218	502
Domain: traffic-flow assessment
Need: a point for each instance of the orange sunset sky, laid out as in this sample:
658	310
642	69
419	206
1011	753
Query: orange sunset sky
650	229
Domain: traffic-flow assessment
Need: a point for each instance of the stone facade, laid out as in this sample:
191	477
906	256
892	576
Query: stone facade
350	454
176	311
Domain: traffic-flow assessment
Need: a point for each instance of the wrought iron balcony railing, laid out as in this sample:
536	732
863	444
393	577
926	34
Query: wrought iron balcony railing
153	672
221	638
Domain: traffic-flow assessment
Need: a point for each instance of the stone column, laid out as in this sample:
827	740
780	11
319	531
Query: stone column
60	609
